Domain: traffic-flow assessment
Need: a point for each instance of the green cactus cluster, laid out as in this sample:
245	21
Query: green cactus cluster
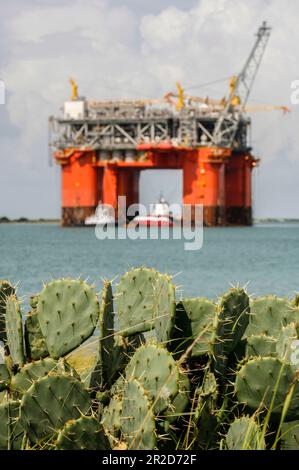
139	368
84	433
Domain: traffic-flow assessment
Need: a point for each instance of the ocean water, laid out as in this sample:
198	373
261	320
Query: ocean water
265	257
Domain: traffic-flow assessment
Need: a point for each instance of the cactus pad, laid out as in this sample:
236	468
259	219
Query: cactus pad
111	347
83	360
156	370
269	314
6	290
33	301
204	414
146	299
201	314
35	343
49	403
33	371
14	330
285	340
179	403
265	381
137	419
244	434
85	433
68	311
165	312
233	318
261	345
209	386
290	436
4	377
11	433
107	334
112	414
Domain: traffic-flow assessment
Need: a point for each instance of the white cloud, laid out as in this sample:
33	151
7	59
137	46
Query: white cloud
166	29
94	20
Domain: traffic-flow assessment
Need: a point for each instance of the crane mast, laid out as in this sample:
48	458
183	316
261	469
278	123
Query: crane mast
228	121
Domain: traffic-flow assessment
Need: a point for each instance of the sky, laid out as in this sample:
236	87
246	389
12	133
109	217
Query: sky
134	48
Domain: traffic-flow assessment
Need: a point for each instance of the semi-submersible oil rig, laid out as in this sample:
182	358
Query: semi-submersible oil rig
102	146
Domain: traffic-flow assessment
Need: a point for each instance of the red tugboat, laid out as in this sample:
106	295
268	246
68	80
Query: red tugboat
160	216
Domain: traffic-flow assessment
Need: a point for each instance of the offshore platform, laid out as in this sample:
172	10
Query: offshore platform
102	146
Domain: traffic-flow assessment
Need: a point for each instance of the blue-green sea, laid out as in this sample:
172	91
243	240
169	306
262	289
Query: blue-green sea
265	257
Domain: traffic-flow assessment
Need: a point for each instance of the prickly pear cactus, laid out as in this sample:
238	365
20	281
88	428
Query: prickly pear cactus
245	434
35	343
6	290
106	340
111	347
134	299
33	371
68	312
290	436
233	318
111	417
195	319
264	383
145	300
3	396
33	301
136	394
4	377
261	345
166	308
137	419
285	341
85	433
182	336
295	301
58	399
209	388
83	360
204	419
14	331
118	386
179	403
269	314
267	346
11	433
156	370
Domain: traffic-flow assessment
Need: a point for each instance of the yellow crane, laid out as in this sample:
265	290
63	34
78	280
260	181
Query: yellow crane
180	95
74	86
180	100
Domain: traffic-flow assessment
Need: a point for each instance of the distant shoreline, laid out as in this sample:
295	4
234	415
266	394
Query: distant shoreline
25	220
278	220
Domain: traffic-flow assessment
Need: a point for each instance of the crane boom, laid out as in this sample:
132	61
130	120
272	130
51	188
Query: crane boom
216	105
227	124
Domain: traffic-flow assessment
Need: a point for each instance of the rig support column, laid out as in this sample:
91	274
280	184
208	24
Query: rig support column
204	183
110	186
238	189
79	187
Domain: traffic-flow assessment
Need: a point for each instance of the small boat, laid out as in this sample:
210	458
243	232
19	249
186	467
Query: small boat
102	216
160	216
